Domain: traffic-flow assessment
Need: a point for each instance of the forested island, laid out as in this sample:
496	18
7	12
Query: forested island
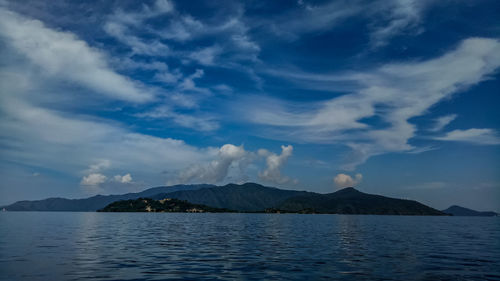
167	205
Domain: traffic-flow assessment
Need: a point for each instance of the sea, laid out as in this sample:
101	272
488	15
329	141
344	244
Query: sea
226	246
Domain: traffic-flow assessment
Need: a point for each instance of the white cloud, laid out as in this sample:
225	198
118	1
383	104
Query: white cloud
163	6
387	18
217	169
131	27
207	55
67	143
442	122
343	180
54	52
393	93
64	141
168	77
127	178
313	18
138	45
100	165
183	28
188	84
274	164
122	26
395	17
473	136
193	121
93	179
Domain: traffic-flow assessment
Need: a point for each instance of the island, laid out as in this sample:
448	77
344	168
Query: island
166	205
465	212
240	198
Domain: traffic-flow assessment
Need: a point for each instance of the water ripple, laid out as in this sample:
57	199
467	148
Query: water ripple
136	246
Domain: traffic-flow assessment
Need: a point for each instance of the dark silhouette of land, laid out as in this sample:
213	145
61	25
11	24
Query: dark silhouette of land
248	197
461	211
167	205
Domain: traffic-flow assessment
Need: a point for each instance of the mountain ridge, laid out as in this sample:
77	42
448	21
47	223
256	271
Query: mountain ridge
456	210
248	197
93	203
352	201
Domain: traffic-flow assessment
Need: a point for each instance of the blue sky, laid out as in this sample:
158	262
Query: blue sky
395	97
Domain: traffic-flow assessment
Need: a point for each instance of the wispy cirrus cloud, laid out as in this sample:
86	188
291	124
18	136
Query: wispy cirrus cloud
442	122
229	35
191	120
386	18
54	53
54	136
474	136
393	94
123	25
395	17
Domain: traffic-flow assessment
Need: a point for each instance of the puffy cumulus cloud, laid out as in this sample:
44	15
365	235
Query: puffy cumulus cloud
274	163
343	180
217	169
127	178
402	90
474	136
93	179
54	52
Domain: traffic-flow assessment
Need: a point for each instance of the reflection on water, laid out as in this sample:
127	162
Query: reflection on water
139	246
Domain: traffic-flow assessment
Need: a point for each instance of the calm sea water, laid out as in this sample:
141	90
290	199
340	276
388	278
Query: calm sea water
141	246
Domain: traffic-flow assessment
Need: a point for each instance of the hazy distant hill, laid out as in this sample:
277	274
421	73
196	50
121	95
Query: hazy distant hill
352	201
461	211
96	202
245	197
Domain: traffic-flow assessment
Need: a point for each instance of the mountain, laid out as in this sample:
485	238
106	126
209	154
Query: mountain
96	202
461	211
248	197
167	205
253	197
352	201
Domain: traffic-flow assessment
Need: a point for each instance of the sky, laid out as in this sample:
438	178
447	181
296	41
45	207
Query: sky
394	97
